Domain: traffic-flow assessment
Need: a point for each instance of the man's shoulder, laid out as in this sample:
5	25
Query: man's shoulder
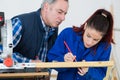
26	15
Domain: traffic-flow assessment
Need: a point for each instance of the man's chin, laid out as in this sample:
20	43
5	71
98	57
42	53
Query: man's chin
55	25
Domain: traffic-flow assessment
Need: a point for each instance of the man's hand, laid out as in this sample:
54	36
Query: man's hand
36	61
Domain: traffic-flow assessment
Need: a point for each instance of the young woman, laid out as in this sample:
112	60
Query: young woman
89	42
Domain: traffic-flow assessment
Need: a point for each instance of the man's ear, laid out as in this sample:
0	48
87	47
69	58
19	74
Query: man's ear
46	5
85	26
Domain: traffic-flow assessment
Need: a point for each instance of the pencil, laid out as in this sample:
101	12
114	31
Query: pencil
68	49
67	46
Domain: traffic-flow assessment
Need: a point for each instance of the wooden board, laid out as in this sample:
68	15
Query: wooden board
57	65
74	64
16	75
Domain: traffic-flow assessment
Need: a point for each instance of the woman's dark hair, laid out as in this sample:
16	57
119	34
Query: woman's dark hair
101	21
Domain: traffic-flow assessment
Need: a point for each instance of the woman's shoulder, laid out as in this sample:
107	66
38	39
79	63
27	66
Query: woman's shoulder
105	45
68	30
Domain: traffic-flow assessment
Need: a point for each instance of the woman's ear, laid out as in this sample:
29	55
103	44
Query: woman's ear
85	26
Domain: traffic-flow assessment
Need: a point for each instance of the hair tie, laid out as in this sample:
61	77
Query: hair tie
104	14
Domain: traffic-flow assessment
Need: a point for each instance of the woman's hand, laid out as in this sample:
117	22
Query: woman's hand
69	57
82	70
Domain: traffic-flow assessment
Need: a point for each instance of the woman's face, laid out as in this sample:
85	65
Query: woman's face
91	37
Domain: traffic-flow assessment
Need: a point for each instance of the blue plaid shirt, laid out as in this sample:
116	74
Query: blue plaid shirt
17	57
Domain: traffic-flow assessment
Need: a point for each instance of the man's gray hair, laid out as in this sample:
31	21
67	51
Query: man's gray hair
49	1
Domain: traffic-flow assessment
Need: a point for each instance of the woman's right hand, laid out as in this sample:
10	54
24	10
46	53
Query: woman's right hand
69	57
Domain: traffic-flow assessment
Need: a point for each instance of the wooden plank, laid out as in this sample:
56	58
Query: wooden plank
74	64
16	75
57	65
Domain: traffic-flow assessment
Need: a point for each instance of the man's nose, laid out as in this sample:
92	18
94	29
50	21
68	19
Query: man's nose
62	17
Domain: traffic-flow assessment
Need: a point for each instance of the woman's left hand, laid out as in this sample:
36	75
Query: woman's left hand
82	70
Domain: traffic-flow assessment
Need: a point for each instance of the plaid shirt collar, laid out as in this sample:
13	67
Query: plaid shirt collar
43	23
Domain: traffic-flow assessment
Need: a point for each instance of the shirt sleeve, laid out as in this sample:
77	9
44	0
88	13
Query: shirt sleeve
17	57
1	52
17	28
57	52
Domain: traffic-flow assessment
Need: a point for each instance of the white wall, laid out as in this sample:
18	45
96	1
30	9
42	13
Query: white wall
116	52
116	48
79	10
15	7
116	6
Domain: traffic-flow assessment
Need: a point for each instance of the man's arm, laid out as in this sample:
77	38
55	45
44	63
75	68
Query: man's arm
17	34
